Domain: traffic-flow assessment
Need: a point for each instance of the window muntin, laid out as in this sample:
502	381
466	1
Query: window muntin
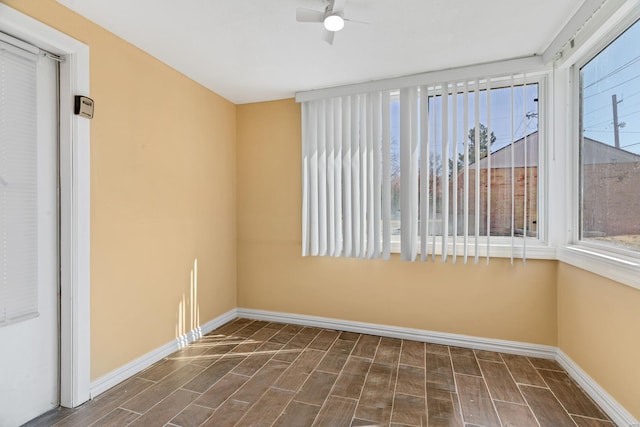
609	152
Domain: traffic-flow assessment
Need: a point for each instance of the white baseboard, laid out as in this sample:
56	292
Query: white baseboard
115	377
614	410
456	340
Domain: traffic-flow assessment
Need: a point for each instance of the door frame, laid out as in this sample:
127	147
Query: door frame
75	362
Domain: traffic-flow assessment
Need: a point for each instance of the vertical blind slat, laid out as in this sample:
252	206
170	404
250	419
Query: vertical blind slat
466	170
415	154
331	229
355	175
513	175
445	170
526	170
371	212
347	199
424	172
488	168
405	176
322	179
313	153
433	160
476	107
454	173
305	178
337	131
386	176
377	173
364	176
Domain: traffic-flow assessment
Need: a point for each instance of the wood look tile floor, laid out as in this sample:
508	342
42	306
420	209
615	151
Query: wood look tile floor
256	373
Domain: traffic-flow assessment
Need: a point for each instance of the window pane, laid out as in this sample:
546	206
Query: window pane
508	129
511	136
610	143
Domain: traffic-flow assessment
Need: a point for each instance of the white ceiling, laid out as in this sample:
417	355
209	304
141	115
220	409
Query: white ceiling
254	50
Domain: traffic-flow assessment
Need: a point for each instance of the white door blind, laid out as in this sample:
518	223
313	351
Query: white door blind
466	172
18	185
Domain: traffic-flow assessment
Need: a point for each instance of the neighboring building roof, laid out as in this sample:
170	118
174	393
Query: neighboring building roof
594	152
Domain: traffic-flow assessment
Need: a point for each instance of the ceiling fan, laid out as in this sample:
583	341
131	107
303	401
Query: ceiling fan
332	18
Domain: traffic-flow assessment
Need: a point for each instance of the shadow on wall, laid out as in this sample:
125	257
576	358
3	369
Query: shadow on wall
188	317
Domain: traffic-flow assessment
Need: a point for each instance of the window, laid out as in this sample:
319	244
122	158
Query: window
609	152
506	125
440	169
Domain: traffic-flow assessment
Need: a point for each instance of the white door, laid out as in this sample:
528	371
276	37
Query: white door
29	342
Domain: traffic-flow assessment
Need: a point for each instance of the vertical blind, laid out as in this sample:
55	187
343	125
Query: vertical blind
18	185
445	160
345	164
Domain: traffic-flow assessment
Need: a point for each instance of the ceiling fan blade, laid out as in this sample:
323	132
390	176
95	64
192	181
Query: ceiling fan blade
309	15
338	5
328	36
356	21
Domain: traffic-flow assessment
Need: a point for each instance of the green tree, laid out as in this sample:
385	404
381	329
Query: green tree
484	146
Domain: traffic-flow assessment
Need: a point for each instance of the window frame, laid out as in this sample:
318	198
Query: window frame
610	261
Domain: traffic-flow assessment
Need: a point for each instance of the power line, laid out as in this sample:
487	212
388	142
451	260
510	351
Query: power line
608	131
607	121
597	125
597	109
615	71
630	114
608	104
612	87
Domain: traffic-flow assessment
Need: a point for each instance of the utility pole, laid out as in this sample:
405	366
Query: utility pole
616	130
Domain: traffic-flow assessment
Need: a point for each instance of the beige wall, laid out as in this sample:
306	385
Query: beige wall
162	196
495	301
599	328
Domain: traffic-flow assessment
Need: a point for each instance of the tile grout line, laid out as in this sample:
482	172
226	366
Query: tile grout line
591	418
455	385
426	389
395	386
128	400
365	380
535	417
230	372
519	390
337	376
113	410
529	404
275	380
556	397
309	375
486	386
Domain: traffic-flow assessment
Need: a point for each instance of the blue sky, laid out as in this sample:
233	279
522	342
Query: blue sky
500	124
616	70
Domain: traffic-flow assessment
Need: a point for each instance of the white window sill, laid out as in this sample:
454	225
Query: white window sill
534	250
611	265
